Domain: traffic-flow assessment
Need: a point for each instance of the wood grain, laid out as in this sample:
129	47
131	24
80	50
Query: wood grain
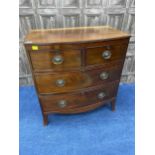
74	80
78	100
94	55
70	35
82	109
42	60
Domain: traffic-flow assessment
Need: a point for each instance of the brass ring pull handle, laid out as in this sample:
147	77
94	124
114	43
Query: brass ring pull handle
101	95
106	54
57	59
104	76
62	103
60	82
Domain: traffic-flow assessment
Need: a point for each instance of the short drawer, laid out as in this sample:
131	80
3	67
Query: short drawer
55	60
74	101
105	54
66	82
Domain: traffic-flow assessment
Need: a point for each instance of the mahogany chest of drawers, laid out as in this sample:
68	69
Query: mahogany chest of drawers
76	69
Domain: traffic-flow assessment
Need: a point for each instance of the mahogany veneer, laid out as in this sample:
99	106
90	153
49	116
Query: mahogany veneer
76	69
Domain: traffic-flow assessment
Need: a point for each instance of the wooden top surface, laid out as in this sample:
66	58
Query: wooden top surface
73	35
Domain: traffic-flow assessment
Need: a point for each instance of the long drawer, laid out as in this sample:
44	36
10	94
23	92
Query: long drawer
74	101
66	82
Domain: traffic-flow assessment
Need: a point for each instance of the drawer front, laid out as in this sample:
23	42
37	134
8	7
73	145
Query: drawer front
67	102
55	60
105	54
66	82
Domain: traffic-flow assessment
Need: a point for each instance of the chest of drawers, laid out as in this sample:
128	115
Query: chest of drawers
76	69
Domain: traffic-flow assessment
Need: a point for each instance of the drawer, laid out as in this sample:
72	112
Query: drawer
55	60
74	101
105	54
65	82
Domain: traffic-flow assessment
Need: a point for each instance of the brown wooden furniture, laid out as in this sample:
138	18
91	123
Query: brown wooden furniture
76	69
